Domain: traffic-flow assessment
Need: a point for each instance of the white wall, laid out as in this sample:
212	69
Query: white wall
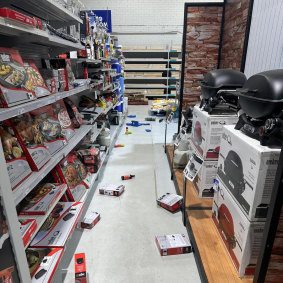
144	16
265	48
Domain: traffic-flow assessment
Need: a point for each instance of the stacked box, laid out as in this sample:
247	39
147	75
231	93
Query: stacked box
91	159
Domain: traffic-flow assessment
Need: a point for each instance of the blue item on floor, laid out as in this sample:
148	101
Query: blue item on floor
148	130
137	124
132	116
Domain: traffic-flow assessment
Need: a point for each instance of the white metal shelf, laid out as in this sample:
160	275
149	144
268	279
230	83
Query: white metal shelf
27	186
49	10
40	219
7	113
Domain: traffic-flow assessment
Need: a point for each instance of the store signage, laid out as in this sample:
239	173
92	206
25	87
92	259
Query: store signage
102	17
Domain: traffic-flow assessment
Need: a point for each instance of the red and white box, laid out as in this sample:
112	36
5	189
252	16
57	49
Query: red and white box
16	16
170	202
247	169
39	86
112	190
59	225
74	113
40	199
43	263
207	130
241	237
16	162
173	244
46	121
27	227
31	141
80	268
64	119
73	172
90	220
15	86
90	156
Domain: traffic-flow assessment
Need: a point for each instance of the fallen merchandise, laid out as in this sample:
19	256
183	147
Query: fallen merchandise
127	177
112	190
90	220
173	244
80	268
171	202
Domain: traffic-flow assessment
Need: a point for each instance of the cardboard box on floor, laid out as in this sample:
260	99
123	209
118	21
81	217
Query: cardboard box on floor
241	238
207	131
247	170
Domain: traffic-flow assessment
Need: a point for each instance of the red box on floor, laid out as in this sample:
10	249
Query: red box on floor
90	220
170	202
173	244
112	190
80	268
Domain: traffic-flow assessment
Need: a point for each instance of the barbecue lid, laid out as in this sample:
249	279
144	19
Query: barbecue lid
221	78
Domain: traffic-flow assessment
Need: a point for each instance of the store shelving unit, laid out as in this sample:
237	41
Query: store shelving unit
35	43
166	83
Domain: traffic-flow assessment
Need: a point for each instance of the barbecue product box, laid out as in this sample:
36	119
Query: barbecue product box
39	86
43	263
171	202
74	113
89	156
40	199
15	86
207	130
173	244
93	168
59	225
203	182
73	172
64	119
16	162
16	16
31	141
80	268
27	228
241	237
112	190
90	220
52	134
247	170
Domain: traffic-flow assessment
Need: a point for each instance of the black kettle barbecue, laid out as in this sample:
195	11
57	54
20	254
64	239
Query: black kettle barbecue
214	89
261	103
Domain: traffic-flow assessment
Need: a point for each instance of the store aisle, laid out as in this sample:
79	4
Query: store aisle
121	247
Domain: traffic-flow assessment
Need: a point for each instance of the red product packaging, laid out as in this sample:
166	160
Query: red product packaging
74	113
14	15
170	202
38	23
173	244
38	84
73	172
31	141
58	227
17	164
41	198
43	263
90	220
89	156
93	168
64	119
15	86
112	190
50	128
80	268
27	227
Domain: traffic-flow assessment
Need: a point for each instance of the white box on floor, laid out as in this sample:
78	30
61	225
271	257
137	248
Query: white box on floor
112	190
248	170
241	237
170	202
173	244
207	131
203	183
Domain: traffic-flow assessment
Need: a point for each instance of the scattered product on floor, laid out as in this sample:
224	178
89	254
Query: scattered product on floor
148	130
119	145
160	120
80	268
112	190
171	202
90	220
132	116
173	244
127	177
137	124
150	119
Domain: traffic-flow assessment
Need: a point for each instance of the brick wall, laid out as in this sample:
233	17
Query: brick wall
236	12
144	16
202	47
